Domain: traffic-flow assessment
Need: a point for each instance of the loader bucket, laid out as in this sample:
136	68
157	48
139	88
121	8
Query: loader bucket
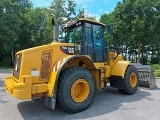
146	76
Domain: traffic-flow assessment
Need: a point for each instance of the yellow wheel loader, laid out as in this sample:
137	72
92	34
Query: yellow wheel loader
68	71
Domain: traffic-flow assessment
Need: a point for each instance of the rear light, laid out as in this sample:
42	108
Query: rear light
16	70
23	80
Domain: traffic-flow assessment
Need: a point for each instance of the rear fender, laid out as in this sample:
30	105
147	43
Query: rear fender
59	66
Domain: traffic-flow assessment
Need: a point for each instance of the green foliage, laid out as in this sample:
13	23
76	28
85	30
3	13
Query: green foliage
82	14
14	26
157	73
135	27
60	9
23	26
6	62
136	24
155	67
41	31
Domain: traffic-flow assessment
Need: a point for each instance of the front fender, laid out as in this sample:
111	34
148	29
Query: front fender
119	68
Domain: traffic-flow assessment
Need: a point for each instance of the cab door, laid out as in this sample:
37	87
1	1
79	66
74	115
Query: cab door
98	41
88	48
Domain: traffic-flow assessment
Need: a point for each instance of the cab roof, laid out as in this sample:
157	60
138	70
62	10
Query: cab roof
91	21
84	20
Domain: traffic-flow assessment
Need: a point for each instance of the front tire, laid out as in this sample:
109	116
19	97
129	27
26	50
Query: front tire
76	89
131	81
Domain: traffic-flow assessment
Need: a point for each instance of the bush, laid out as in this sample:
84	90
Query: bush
155	67
157	73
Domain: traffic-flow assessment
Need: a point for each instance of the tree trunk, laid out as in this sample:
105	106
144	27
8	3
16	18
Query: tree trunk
139	51
126	53
142	54
12	59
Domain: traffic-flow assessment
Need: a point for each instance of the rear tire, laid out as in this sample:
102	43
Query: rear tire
131	81
76	89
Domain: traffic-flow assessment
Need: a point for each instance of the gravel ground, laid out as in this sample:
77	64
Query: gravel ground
4	73
107	105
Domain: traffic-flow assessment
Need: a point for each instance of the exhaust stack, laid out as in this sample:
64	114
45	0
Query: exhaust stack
56	29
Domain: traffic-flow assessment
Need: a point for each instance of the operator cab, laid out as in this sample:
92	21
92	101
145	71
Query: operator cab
88	37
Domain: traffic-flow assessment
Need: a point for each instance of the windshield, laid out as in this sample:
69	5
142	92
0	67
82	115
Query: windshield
74	35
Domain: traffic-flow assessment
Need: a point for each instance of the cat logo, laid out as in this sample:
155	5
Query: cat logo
70	50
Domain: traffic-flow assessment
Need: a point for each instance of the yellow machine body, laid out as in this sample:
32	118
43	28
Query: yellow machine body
40	68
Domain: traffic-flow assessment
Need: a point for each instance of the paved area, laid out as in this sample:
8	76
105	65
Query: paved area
107	105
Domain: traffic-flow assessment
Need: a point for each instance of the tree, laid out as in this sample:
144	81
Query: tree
82	14
41	32
135	26
12	14
60	9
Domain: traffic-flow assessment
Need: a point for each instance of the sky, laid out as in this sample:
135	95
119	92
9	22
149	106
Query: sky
92	7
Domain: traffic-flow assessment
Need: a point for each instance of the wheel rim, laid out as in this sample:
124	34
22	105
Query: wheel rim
80	90
133	80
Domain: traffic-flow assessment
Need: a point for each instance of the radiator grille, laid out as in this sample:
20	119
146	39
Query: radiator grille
46	64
